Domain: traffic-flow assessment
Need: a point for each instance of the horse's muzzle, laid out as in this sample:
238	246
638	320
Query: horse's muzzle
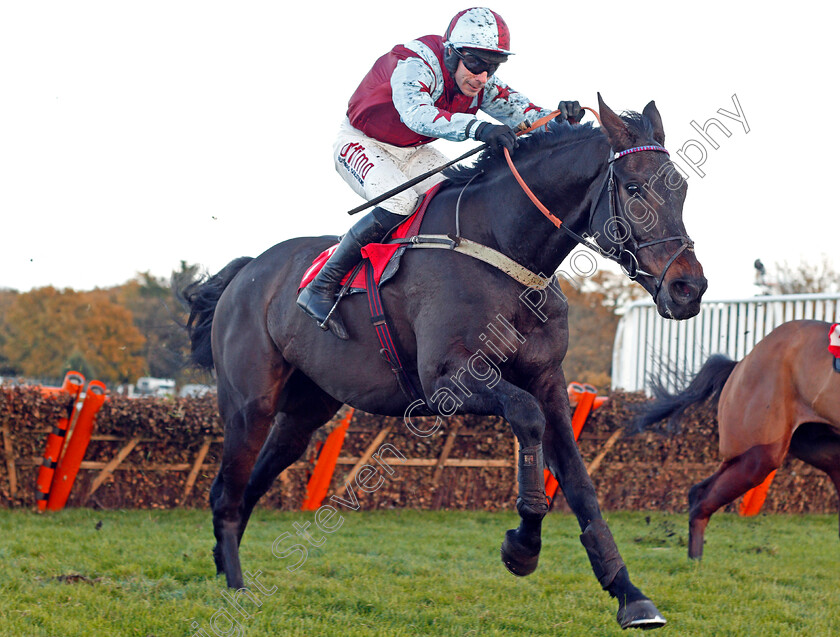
680	297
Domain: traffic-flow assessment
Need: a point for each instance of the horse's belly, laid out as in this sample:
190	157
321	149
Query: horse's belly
824	401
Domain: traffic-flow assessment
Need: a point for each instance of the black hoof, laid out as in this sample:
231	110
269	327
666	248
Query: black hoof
640	614
517	558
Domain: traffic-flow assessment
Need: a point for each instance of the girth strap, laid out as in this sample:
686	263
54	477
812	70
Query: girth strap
481	252
383	332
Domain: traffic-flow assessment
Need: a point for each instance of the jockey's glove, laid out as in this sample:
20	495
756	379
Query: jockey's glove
497	136
571	111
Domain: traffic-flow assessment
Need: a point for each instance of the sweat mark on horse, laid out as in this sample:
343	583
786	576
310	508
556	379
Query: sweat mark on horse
783	397
280	377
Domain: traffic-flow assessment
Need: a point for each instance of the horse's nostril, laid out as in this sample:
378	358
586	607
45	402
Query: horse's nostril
683	291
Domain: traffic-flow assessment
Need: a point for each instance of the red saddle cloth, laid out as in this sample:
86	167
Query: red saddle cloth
379	254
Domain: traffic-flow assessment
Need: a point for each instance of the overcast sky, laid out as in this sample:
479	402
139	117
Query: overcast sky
135	135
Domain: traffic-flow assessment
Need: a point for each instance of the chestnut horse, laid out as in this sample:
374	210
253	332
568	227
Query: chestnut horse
280	377
783	397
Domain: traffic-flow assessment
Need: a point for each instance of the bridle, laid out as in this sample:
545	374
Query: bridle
628	247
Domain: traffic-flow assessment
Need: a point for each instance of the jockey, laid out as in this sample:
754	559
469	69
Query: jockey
428	89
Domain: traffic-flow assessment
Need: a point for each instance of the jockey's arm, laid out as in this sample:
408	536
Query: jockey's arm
414	90
508	106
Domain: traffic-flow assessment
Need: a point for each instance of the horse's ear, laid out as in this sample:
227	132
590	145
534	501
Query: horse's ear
652	113
614	127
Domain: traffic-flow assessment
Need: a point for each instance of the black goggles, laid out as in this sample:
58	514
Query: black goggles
475	64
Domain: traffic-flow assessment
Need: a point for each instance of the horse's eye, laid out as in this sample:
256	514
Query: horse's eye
633	189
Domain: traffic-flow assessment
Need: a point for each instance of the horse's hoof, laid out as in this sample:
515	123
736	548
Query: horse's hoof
640	614
516	557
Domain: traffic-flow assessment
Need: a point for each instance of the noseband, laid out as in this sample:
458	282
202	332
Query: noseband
628	247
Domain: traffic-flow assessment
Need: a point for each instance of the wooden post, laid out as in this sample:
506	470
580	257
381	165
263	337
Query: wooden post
593	466
444	456
10	460
365	457
516	459
109	468
196	467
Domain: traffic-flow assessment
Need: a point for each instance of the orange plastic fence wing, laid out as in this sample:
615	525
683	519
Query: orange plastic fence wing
72	386
754	498
584	406
68	466
584	399
551	483
319	482
574	390
73	382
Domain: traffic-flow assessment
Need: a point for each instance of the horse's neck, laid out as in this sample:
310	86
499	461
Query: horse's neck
565	183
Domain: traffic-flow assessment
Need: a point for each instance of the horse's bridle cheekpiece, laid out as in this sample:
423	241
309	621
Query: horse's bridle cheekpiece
627	258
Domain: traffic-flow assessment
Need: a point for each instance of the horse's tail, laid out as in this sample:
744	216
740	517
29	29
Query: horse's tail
201	297
708	383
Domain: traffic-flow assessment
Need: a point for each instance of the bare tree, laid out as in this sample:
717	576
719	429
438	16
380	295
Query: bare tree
804	277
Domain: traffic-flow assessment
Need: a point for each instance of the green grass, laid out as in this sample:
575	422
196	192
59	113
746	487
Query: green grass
401	573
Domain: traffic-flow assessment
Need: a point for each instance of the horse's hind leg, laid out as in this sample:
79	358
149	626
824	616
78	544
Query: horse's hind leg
304	408
734	478
247	411
819	446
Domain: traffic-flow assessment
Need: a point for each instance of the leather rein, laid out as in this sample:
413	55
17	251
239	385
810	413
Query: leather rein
626	257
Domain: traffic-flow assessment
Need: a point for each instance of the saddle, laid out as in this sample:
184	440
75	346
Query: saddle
383	258
834	345
380	262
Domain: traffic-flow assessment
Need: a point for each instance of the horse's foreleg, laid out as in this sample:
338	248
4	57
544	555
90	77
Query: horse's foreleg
521	546
635	610
834	474
819	446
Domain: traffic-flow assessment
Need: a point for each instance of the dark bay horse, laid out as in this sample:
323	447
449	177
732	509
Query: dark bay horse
280	377
783	397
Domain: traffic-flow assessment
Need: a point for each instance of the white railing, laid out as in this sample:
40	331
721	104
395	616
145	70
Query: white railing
647	344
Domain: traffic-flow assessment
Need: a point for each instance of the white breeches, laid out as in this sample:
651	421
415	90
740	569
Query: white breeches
372	168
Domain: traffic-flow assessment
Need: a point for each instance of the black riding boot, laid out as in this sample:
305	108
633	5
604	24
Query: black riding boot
318	298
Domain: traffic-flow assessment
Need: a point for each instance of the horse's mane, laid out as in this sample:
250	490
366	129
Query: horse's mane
554	135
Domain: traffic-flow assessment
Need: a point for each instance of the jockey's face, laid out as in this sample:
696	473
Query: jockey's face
470	84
